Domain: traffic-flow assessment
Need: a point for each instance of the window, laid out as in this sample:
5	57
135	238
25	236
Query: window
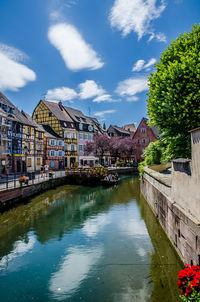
83	119
143	140
80	136
50	114
80	147
51	153
72	125
138	141
78	118
90	128
74	135
36	115
60	153
28	131
143	130
39	147
80	126
52	164
60	143
72	148
149	140
38	161
65	124
85	136
29	161
52	142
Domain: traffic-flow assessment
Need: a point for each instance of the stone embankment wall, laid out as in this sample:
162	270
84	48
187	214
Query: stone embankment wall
13	196
176	202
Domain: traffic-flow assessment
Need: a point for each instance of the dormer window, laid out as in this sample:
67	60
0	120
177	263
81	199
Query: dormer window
65	124
90	128
80	126
72	125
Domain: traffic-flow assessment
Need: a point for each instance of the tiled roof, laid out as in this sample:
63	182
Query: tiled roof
29	118
49	132
120	129
57	111
97	126
130	126
16	113
77	115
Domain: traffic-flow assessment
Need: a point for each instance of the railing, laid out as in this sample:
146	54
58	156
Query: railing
11	181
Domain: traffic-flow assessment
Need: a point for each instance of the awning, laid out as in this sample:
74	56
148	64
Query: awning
88	158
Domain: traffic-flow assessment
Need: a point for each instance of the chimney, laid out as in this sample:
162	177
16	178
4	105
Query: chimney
60	105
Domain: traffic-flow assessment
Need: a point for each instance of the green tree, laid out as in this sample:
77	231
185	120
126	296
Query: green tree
174	95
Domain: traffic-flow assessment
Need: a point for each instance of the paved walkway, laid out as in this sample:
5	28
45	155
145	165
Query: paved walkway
14	183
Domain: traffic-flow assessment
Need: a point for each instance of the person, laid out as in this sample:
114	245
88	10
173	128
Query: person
42	170
46	168
109	177
116	176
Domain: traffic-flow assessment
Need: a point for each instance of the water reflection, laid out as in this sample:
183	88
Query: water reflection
89	244
19	249
73	270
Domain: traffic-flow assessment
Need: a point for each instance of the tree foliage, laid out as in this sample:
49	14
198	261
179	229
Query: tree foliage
174	95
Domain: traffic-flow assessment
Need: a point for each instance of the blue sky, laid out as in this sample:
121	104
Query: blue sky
94	55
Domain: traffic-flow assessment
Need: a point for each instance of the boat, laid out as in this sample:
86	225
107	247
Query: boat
109	183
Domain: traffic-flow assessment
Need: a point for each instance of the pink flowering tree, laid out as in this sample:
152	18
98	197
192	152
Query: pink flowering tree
121	147
99	146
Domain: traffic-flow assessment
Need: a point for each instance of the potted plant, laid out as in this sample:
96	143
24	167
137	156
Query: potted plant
23	179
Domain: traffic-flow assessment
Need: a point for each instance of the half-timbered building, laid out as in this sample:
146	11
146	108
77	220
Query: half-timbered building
55	116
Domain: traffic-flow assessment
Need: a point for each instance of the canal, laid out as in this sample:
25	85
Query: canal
86	244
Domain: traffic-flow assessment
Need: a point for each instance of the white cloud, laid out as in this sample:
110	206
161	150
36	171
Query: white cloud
151	62
76	53
13	75
101	114
61	94
139	65
132	86
137	15
132	98
90	89
105	98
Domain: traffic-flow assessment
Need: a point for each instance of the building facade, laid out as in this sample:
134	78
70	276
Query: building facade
86	129
55	116
53	149
143	136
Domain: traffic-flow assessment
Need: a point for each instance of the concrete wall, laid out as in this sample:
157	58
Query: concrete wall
186	178
182	228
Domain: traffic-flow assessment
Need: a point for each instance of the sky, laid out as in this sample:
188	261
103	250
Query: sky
93	55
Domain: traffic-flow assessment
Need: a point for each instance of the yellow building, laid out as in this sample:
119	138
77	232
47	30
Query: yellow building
55	116
33	144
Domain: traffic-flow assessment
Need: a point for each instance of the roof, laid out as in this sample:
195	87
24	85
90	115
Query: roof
49	132
77	115
37	126
55	108
196	129
16	113
120	129
155	130
96	124
130	126
181	160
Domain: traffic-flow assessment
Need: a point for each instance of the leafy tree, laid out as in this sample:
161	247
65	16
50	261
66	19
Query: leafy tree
174	95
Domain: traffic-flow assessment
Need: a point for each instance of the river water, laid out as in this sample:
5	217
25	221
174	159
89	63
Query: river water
86	244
